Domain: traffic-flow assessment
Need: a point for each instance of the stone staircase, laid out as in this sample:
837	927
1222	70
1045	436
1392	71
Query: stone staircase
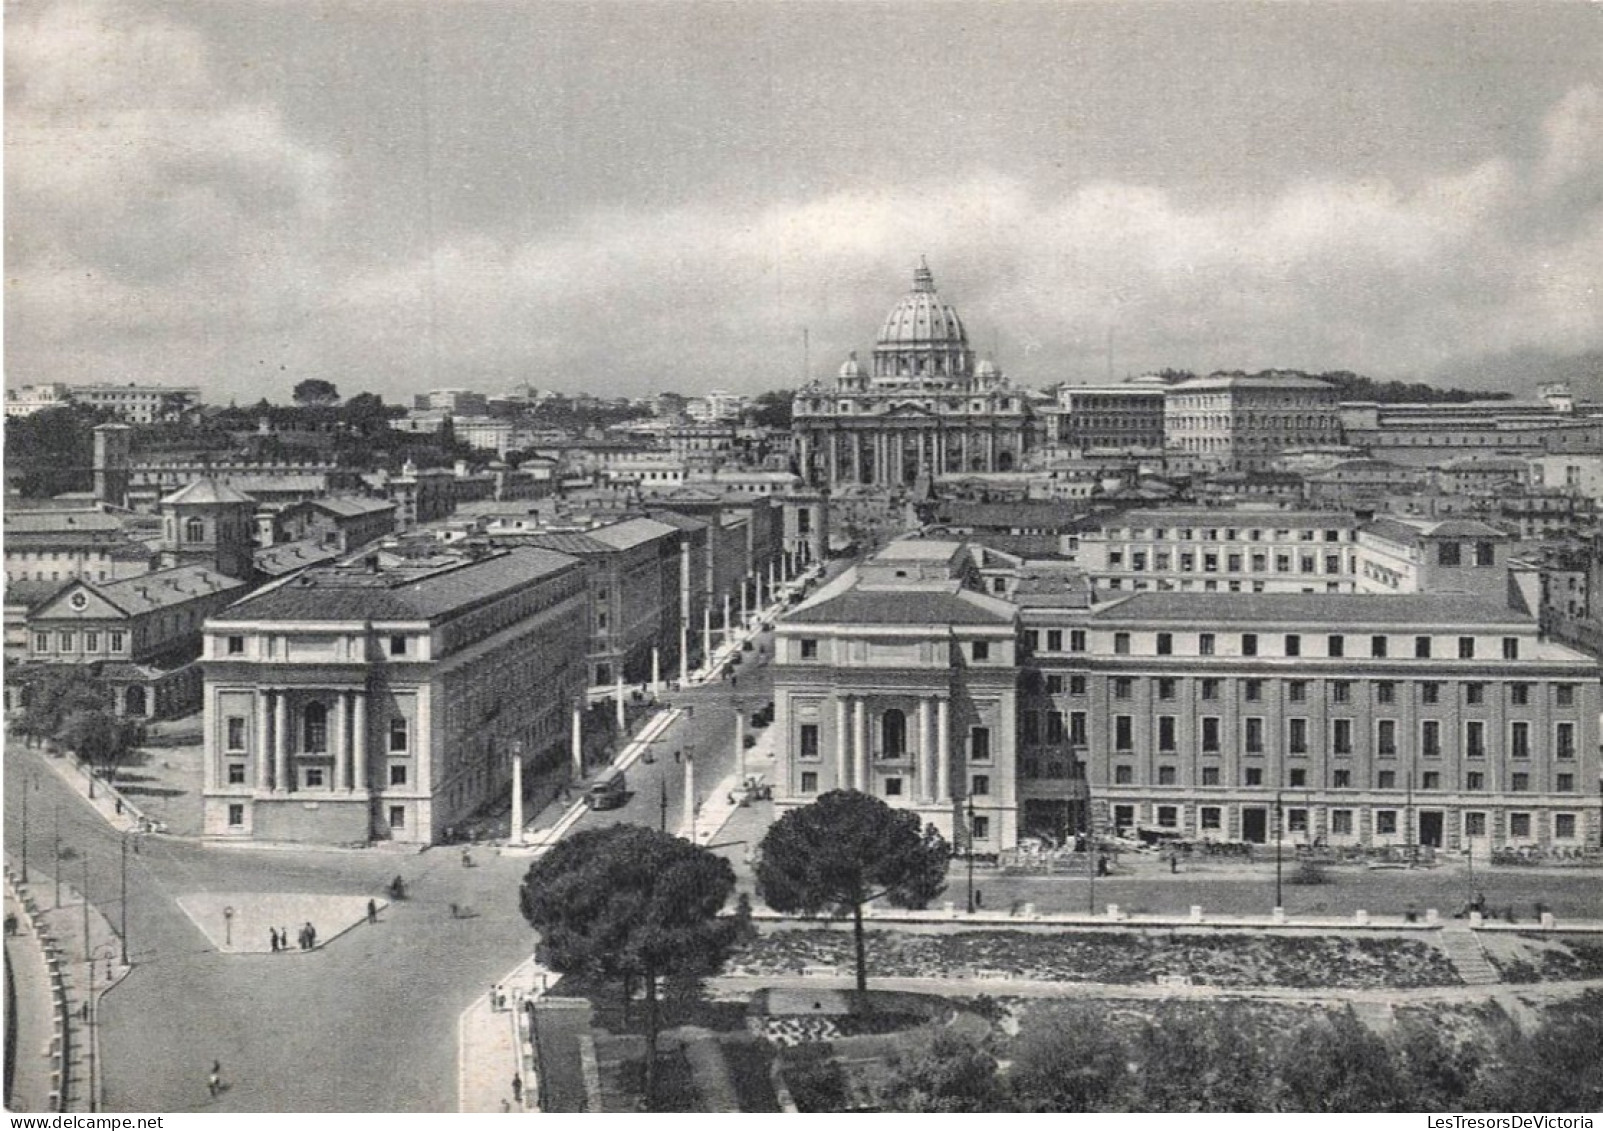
1464	951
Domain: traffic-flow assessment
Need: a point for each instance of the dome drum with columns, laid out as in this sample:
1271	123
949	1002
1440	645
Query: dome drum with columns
926	407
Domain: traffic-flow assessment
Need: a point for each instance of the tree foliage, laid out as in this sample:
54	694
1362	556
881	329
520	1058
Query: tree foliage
52	451
844	851
946	1073
1071	1061
315	391
771	409
52	694
100	738
632	904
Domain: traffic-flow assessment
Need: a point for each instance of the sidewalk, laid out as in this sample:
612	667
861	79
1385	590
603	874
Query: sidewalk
34	1038
88	971
494	1044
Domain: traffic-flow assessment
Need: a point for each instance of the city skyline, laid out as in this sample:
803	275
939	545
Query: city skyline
622	198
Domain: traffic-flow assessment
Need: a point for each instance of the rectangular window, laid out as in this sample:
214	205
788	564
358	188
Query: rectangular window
1166	689
397	645
1123	775
1165	644
1430	694
1077	640
236	733
1252	690
236	645
314	777
1210	734
1121	643
1249	643
1377	647
1386	822
236	816
893	787
1386	737
1297	691
1341	736
1054	727
1341	691
1447	554
1563	826
1054	640
1211	817
808	740
1335	646
399	736
64	641
809	649
1564	783
809	781
1519	694
979	744
1466	647
1077	728
1205	643
1297	821
1475	738
1341	822
1564	695
398	774
1341	779
1168	815
236	773
1519	824
1474	694
1421	647
1054	685
1210	775
91	642
1254	775
1166	733
1511	647
1077	685
1519	740
1430	780
981	650
1474	781
397	816
1430	738
41	642
1297	735
1564	740
1254	736
118	640
1123	732
982	828
1209	689
1123	686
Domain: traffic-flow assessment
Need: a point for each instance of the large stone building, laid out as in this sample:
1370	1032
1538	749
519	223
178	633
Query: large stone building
1236	422
1443	719
347	704
923	407
1124	417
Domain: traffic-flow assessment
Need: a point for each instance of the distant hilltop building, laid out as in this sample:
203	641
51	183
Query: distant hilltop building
136	404
924	407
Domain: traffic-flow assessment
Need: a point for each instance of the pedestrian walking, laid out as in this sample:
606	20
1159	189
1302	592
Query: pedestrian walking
214	1082
372	912
311	936
300	937
272	938
495	992
517	1089
455	911
283	938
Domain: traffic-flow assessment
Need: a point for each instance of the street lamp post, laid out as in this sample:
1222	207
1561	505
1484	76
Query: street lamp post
690	789
228	926
662	782
1279	826
25	829
85	894
55	852
971	854
123	908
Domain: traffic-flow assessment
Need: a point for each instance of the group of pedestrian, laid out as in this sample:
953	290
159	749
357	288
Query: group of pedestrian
278	938
498	999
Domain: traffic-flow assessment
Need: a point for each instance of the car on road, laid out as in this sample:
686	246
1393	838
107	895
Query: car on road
608	792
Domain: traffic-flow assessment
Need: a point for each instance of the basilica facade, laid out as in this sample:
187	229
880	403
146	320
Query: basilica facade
924	407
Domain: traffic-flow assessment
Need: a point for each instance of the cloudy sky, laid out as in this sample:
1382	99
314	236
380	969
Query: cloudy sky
625	197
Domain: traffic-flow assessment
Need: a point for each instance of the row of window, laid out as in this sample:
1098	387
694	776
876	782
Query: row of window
396	816
892	735
1188	562
1429	781
1291	645
314	776
1340	691
1226	534
116	641
1210	818
314	732
1253	733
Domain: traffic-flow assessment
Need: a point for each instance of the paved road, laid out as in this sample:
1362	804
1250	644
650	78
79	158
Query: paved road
367	1024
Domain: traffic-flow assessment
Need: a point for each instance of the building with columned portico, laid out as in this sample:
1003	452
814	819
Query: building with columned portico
355	703
923	407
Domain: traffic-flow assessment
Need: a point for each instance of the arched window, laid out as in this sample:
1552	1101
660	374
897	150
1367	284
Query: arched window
314	727
194	530
893	734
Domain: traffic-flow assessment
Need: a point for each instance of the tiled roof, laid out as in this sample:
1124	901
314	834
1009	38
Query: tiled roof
933	607
30	593
165	588
919	550
350	506
346	593
208	490
994	516
680	521
60	522
287	557
1214	517
631	533
1301	610
568	542
1411	531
